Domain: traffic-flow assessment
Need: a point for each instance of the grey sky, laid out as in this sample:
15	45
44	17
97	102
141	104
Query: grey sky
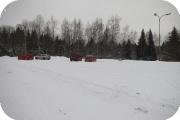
137	14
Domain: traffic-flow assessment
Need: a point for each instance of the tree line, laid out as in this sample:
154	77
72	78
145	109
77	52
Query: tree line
103	40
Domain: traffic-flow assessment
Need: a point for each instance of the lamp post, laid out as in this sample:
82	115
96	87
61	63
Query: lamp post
159	18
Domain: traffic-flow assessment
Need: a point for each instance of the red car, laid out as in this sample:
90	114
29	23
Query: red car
75	57
90	58
25	57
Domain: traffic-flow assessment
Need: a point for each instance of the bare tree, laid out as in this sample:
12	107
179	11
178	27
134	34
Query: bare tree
128	35
77	32
156	39
67	34
88	32
25	26
114	27
95	32
52	23
133	36
47	29
38	25
124	35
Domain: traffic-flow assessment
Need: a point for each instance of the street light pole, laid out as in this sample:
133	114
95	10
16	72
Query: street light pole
159	39
159	18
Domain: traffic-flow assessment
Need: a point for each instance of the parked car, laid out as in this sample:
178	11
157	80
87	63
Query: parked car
90	58
43	57
76	57
25	57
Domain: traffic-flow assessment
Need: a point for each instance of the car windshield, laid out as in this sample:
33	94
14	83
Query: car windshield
76	54
43	54
90	56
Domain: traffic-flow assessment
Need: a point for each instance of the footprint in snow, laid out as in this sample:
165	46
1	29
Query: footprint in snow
138	93
141	110
9	72
62	112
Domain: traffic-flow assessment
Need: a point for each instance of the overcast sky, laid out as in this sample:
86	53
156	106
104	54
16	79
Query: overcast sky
137	14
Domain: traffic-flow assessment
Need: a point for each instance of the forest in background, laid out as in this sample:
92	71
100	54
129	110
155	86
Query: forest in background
106	41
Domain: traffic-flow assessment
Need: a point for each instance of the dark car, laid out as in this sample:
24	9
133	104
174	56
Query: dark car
76	57
25	57
90	58
43	57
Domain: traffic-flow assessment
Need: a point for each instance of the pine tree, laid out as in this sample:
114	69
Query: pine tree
12	43
151	50
123	50
28	39
178	49
126	50
103	44
91	47
171	47
112	45
142	47
59	47
33	42
19	41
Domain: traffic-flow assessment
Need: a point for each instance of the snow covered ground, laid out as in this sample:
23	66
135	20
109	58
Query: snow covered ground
105	90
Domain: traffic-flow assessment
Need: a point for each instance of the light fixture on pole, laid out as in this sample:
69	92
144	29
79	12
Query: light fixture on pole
159	18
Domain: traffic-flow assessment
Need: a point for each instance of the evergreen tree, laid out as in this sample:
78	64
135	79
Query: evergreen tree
4	37
151	50
12	43
103	44
142	47
128	50
91	47
178	48
3	42
19	41
78	46
125	51
33	42
28	42
59	47
171	47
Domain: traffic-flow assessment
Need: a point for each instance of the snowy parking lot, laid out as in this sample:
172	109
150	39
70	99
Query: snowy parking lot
104	90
